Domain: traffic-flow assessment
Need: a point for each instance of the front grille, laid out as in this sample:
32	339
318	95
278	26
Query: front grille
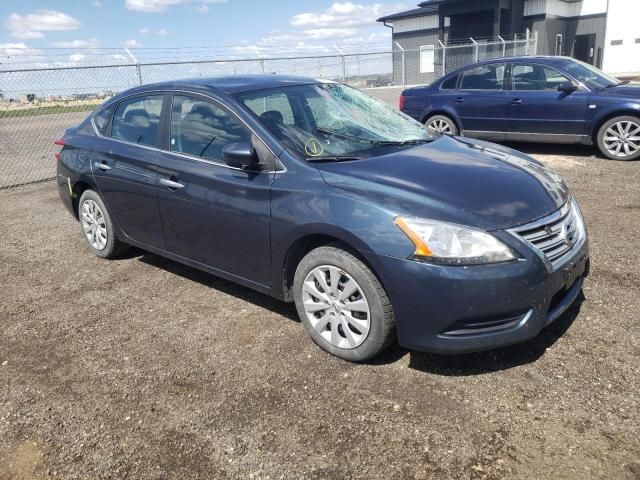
555	236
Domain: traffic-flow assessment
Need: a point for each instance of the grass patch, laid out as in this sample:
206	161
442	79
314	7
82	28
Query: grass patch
49	110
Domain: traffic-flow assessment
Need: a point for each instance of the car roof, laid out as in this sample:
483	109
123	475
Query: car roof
232	83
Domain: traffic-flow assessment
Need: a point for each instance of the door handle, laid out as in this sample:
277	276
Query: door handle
102	166
516	101
170	183
460	100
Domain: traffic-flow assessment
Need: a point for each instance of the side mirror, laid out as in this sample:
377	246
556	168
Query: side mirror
567	87
239	155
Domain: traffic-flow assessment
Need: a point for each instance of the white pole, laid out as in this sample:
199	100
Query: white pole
504	46
477	49
444	57
403	66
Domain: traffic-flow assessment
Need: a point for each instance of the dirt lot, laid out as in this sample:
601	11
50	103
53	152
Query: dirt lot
142	368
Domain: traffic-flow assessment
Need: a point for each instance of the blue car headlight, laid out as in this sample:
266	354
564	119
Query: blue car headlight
451	244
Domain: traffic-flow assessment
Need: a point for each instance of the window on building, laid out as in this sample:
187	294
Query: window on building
485	77
202	129
137	120
616	42
427	58
536	77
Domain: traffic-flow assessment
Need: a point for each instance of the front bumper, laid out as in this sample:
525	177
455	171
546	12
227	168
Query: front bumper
452	309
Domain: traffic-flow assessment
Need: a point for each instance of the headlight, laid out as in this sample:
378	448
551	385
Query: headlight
451	244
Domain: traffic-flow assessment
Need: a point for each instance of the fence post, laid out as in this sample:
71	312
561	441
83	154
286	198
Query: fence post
262	65
526	43
444	57
477	55
535	42
404	83
344	70
135	60
504	46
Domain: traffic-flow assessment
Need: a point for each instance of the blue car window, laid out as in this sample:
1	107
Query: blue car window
484	77
536	78
202	129
137	120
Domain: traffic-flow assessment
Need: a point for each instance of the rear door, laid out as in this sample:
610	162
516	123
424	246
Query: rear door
124	167
536	107
214	214
480	100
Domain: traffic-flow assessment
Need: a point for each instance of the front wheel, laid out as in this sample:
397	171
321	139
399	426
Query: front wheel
441	125
342	305
619	138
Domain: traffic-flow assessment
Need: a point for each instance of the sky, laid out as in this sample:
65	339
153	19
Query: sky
40	33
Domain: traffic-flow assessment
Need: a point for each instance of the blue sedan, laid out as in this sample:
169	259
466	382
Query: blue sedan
533	99
315	193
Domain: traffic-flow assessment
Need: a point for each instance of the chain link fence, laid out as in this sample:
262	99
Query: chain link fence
37	105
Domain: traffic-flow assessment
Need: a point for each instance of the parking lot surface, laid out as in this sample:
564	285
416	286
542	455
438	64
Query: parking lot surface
143	368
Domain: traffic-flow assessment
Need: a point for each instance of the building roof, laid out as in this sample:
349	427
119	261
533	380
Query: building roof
425	8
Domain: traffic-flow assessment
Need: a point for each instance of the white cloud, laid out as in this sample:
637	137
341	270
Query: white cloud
118	57
88	43
155	6
77	57
329	33
345	14
132	43
96	3
34	24
17	49
158	31
202	8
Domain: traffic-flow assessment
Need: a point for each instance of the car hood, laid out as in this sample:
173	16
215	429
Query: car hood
458	180
626	91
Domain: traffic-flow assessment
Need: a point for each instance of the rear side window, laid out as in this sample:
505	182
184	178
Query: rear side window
449	83
202	129
101	119
484	77
137	120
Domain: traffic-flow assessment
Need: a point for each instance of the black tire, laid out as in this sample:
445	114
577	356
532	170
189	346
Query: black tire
634	123
113	247
439	119
381	319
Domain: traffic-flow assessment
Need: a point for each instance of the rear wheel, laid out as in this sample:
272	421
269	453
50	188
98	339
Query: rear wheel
342	305
619	138
441	124
97	227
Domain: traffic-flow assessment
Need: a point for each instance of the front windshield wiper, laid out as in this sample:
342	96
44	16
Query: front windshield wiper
371	140
334	158
611	85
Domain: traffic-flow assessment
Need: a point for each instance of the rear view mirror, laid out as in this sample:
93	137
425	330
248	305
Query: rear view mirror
239	155
567	87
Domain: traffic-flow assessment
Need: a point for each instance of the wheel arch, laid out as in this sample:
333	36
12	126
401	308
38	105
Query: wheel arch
628	112
445	113
78	189
305	244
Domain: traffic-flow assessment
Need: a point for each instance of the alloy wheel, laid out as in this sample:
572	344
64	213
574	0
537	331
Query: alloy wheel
622	139
336	307
93	224
439	125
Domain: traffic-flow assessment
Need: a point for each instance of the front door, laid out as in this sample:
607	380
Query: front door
584	48
480	101
537	107
213	214
123	162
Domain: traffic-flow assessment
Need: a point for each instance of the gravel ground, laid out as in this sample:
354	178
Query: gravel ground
143	368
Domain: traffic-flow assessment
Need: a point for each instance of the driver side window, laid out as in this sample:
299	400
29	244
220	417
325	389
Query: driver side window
536	78
202	129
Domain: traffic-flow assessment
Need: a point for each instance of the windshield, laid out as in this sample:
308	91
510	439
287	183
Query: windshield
325	120
592	77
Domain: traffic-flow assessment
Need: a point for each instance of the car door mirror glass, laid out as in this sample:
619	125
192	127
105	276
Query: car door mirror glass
239	155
